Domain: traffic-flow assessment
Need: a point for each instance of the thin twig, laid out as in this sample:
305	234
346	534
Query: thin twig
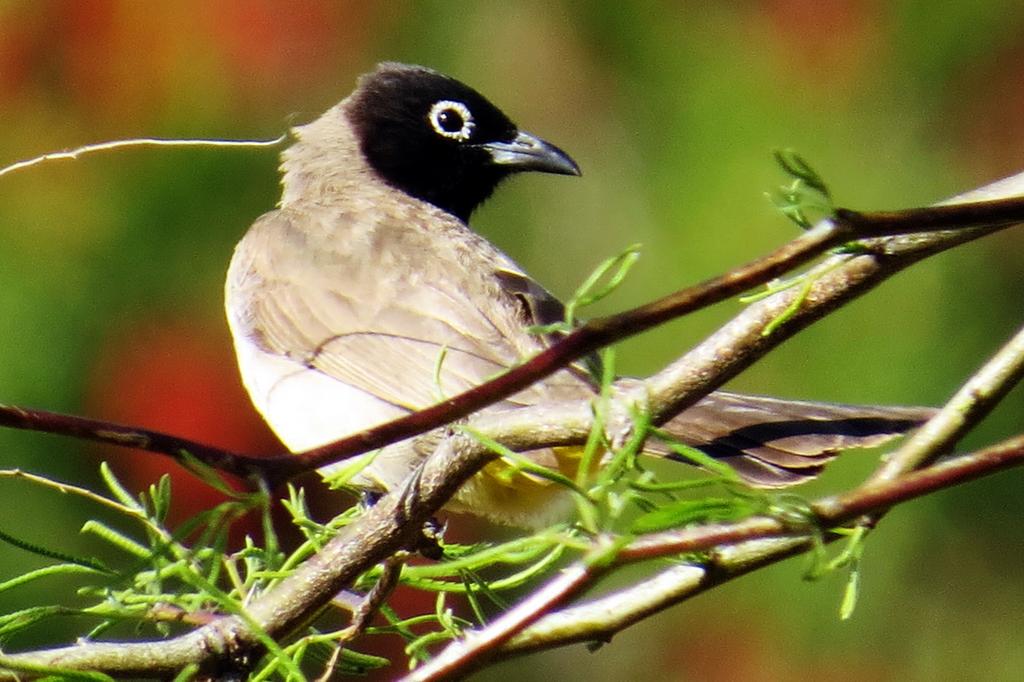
391	570
757	541
111	433
458	658
71	154
975	399
85	493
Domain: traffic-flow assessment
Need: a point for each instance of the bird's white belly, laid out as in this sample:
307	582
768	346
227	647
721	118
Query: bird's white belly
307	409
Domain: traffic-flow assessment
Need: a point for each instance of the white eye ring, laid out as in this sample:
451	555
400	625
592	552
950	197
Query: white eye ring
441	110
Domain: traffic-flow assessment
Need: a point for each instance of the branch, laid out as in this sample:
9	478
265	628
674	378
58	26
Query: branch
586	622
394	522
599	619
595	334
110	433
972	403
598	333
586	339
579	623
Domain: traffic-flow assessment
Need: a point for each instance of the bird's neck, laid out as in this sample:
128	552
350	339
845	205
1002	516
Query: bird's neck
324	163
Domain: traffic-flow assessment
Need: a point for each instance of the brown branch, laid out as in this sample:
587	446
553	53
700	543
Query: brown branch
835	510
111	433
591	336
597	333
363	613
394	522
586	339
945	216
755	543
459	657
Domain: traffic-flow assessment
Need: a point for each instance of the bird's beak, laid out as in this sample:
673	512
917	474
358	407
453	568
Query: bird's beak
529	153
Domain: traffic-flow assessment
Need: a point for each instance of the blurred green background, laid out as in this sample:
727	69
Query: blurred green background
111	266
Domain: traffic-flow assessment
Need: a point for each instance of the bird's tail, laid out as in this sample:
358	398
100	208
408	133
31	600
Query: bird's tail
773	443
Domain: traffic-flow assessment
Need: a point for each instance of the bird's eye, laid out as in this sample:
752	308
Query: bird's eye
451	119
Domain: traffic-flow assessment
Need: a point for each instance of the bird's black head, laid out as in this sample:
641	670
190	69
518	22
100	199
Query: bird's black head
441	141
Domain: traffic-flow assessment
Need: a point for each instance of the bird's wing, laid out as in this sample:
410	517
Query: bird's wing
773	442
437	329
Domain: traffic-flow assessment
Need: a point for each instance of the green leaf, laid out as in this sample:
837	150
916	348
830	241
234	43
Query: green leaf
671	486
340	475
850	593
605	279
92	564
161	496
683	512
522	464
116	538
19	620
206	474
698	457
187	673
356	663
807	191
46	571
119	491
795	165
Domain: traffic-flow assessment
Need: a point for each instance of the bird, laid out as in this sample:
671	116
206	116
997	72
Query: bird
365	296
